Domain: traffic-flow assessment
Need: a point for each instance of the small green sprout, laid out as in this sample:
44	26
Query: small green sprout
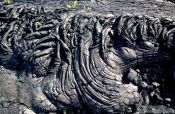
87	8
39	24
73	5
8	2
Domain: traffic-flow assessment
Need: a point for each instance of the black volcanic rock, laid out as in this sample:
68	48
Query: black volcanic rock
116	57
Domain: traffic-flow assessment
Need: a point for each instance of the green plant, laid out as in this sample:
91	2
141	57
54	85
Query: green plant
73	5
8	1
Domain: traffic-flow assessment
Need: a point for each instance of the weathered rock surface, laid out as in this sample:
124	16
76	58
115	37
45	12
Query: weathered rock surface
29	86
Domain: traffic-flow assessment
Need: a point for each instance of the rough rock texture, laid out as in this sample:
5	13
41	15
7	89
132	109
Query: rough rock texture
84	62
162	8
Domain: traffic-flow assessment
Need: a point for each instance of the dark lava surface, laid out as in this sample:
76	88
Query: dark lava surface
13	92
137	7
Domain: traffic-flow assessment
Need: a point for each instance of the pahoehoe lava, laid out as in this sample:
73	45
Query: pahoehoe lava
81	57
